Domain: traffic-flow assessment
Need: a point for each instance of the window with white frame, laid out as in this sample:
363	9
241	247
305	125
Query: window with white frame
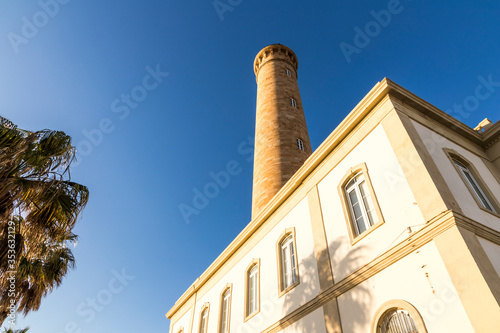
300	144
288	262
288	73
474	185
293	102
397	321
253	289
225	311
204	321
360	204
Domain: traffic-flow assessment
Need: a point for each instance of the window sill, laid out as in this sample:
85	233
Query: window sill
250	316
283	292
366	233
489	211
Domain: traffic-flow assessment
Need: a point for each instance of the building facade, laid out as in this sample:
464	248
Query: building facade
391	225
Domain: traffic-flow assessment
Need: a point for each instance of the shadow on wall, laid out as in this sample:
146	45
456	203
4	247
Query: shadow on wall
355	303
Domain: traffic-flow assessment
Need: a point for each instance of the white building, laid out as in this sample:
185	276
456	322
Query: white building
391	225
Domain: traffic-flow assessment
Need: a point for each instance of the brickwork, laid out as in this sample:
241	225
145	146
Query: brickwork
278	124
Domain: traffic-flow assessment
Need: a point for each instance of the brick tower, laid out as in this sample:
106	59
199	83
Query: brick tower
281	138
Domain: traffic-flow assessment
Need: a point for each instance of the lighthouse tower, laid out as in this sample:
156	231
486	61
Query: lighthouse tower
281	138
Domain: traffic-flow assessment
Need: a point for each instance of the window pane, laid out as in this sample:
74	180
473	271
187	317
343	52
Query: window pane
288	262
292	263
476	189
286	266
225	312
367	200
356	209
398	321
203	323
252	289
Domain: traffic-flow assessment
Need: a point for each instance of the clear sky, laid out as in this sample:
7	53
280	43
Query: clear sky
160	95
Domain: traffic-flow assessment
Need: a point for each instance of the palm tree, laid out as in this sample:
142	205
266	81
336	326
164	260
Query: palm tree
39	206
10	330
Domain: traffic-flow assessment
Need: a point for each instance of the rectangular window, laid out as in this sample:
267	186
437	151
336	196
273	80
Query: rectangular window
253	276
288	262
203	321
293	102
360	204
224	319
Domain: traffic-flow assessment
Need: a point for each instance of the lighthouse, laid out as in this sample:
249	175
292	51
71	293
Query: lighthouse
281	139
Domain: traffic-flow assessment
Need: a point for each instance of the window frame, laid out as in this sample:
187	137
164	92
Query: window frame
254	263
454	157
227	288
281	285
300	144
347	207
397	304
205	307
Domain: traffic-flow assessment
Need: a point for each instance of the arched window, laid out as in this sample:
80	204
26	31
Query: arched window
473	185
287	259
293	102
360	204
397	321
252	282
288	262
225	310
476	186
397	316
204	318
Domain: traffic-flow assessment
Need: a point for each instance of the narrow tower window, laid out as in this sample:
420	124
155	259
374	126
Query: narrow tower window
300	144
288	72
293	102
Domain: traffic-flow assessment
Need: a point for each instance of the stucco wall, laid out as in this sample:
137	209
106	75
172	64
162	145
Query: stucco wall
435	144
493	252
420	279
183	322
312	323
394	196
272	307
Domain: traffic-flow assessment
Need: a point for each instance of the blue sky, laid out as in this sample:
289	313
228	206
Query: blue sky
160	95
